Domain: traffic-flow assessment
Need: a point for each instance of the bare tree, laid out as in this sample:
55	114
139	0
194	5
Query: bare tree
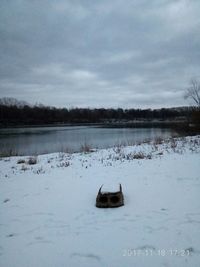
193	92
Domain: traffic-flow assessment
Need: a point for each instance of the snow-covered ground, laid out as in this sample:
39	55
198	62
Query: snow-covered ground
48	216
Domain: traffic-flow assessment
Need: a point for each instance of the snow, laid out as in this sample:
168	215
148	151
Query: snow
48	216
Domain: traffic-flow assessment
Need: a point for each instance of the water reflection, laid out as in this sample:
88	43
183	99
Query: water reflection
41	140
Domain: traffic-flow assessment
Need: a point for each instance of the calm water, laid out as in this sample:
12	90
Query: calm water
41	140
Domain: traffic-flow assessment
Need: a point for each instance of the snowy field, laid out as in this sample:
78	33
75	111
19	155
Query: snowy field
48	216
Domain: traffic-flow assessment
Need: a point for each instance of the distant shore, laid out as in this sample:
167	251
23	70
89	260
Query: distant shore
111	124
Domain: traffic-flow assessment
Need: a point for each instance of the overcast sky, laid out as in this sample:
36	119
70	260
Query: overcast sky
99	53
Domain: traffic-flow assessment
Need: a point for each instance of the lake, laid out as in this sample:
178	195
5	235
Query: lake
40	140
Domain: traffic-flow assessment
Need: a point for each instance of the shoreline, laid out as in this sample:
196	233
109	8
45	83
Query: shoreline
89	148
86	149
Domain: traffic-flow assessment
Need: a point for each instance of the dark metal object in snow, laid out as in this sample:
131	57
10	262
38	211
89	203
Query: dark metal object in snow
110	199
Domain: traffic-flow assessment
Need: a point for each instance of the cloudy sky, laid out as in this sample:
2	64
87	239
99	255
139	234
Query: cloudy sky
99	53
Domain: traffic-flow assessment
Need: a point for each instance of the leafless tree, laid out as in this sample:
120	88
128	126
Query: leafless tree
193	92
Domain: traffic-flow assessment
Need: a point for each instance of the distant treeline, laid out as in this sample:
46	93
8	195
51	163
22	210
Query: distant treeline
26	115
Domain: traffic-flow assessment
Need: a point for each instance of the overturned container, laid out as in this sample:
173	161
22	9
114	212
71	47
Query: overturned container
110	199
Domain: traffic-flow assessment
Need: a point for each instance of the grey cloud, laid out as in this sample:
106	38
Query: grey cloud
99	53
